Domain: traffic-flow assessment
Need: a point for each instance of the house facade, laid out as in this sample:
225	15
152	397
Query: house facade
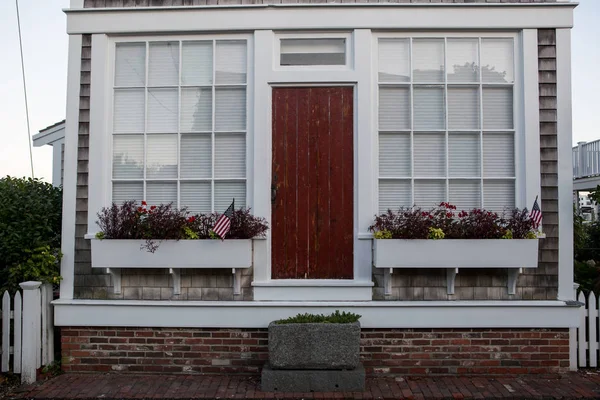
318	116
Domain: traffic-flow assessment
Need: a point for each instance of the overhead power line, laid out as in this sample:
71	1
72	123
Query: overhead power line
25	89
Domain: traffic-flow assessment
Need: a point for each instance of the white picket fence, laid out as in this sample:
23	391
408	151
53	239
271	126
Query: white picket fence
31	340
587	332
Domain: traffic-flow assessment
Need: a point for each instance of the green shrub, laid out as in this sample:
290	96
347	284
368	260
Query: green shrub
335	318
30	222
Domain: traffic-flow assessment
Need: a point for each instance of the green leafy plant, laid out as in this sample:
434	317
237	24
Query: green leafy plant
53	369
436	233
30	219
335	318
42	264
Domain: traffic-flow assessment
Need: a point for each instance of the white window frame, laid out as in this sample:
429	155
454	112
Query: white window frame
110	86
347	36
518	111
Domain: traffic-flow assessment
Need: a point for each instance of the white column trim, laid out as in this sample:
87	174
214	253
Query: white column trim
99	159
565	167
261	145
530	134
365	151
67	269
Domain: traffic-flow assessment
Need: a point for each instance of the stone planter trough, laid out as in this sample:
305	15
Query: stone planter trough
318	346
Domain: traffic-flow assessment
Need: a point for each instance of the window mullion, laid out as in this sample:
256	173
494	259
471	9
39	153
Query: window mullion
412	139
447	180
146	118
214	112
480	123
179	125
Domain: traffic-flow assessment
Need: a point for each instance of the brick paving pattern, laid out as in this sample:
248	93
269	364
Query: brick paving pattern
581	385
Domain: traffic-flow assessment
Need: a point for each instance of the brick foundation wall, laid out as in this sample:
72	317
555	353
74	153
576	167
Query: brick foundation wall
383	351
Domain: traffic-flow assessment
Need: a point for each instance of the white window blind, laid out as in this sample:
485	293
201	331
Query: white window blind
446	122
179	123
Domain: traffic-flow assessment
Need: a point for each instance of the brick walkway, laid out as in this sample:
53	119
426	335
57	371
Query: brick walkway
581	385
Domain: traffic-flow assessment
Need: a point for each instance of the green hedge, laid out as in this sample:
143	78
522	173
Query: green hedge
335	318
30	224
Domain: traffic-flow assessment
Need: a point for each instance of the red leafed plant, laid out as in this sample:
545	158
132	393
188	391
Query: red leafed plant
444	222
165	222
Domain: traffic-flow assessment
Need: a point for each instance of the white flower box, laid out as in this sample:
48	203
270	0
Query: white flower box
456	253
114	254
453	254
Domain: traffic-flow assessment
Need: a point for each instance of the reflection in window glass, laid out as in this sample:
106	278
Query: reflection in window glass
313	51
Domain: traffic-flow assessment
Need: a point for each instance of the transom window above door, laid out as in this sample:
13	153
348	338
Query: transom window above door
179	123
446	122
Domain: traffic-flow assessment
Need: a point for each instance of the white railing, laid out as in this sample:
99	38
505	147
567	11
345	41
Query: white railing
31	340
586	159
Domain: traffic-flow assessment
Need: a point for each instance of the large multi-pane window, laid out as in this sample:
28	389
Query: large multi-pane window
179	123
446	122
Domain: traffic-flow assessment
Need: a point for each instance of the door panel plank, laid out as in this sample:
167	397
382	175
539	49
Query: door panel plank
312	213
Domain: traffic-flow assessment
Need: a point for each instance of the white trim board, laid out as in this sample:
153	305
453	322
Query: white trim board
249	18
375	314
565	164
67	266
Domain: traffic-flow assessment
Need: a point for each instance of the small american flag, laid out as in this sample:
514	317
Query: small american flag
536	214
223	224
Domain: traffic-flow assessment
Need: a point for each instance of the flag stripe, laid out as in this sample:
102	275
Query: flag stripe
223	223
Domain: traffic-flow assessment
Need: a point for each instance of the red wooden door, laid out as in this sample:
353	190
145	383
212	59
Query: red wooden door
312	183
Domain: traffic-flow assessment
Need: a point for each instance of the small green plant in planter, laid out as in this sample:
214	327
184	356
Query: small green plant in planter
336	318
315	341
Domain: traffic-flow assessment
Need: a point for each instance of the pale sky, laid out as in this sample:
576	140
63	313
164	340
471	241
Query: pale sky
45	46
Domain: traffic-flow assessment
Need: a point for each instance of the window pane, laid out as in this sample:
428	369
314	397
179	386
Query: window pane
313	51
429	193
230	107
463	149
127	191
498	155
497	60
230	155
226	191
197	63
130	64
162	110
465	194
128	116
394	108
394	194
498	108
428	60
463	64
196	109
463	108
196	197
231	61
429	154
161	159
394	60
196	153
429	108
128	156
394	154
163	65
161	193
499	195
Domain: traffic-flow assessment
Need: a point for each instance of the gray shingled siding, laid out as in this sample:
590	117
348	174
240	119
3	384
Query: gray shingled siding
480	284
423	284
171	3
